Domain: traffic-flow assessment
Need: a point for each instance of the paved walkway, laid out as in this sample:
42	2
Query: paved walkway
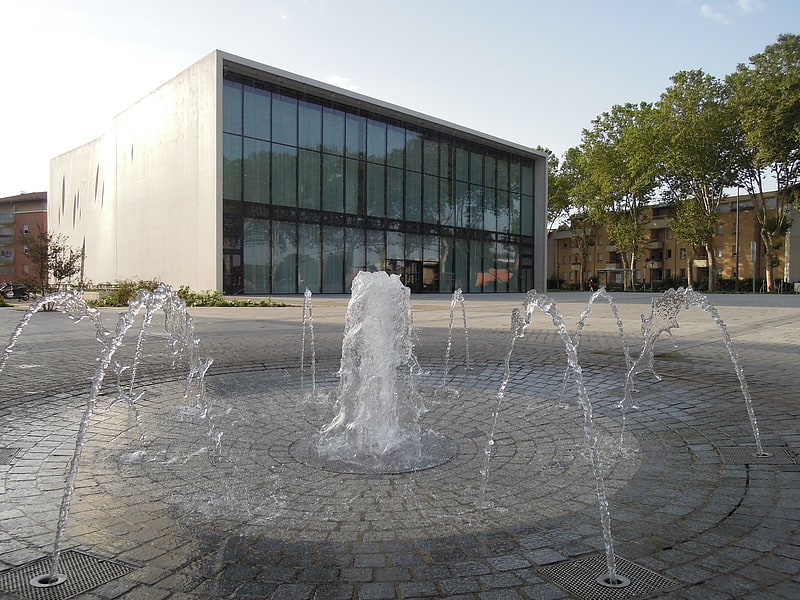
219	507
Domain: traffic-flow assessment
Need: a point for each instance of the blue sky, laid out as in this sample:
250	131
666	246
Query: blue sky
534	72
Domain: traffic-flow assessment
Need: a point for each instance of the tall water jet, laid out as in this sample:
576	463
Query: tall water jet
456	300
308	325
378	404
519	324
663	319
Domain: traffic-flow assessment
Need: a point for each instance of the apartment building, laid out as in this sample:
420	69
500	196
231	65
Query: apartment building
21	216
580	254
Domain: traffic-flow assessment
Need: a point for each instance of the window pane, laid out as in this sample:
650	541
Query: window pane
490	171
256	256
308	258
514	182
446	264
284	120
308	183
284	259
310	125
256	113
376	251
355	256
447	205
394	193
526	216
352	185
232	107
503	217
444	159
256	171
431	166
462	204
413	196
478	279
430	199
430	264
460	261
356	135
232	167
376	141
502	174
514	212
527	179
332	130
475	207
413	151
284	175
376	190
395	146
332	182
333	260
462	164
489	209
476	167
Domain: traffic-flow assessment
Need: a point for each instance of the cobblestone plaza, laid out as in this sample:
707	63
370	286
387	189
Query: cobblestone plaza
694	514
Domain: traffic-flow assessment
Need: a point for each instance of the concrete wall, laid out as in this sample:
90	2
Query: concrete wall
144	196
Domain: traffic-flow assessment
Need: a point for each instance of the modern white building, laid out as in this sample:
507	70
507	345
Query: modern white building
239	177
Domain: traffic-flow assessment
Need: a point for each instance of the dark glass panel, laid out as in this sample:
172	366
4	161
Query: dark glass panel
502	174
284	175
256	171
257	108
355	257
309	263
476	167
413	196
332	130
394	193
395	146
490	171
332	182
431	153
445	160
490	209
284	258
376	251
447	207
355	135
376	141
308	182
514	211
503	214
333	259
430	264
414	149
309	126
232	107
462	165
430	199
376	190
461	261
475	207
527	179
352	185
478	279
462	202
447	263
284	120
526	216
256	256
232	167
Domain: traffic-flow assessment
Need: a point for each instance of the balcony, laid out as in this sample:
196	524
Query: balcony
700	263
611	248
653	264
611	265
655	245
660	223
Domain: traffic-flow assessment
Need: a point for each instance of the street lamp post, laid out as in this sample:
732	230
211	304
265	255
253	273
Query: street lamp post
736	250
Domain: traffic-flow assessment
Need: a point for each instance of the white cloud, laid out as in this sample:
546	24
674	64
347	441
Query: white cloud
747	6
342	82
709	12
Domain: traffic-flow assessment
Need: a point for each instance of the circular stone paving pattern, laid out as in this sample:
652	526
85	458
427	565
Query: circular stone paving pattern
236	471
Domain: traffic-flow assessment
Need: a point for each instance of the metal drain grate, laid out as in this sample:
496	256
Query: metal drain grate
6	454
746	455
579	578
84	572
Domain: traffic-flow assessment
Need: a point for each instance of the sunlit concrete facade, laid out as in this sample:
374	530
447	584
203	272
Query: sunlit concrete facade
239	177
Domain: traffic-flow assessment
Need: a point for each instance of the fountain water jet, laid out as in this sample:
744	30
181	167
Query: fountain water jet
378	403
179	327
662	319
519	323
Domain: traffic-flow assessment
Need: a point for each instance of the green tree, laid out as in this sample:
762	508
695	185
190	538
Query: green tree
618	175
766	97
694	228
700	145
51	254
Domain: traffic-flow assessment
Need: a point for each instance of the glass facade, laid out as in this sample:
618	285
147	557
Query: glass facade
315	191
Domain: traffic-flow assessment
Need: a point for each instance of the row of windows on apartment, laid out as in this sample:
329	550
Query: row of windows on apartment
599	240
719	252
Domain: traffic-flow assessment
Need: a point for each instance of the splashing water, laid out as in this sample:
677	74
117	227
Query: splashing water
458	298
519	323
179	327
663	319
378	402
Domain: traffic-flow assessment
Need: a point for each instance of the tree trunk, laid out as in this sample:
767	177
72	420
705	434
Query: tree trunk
712	264
770	256
689	281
